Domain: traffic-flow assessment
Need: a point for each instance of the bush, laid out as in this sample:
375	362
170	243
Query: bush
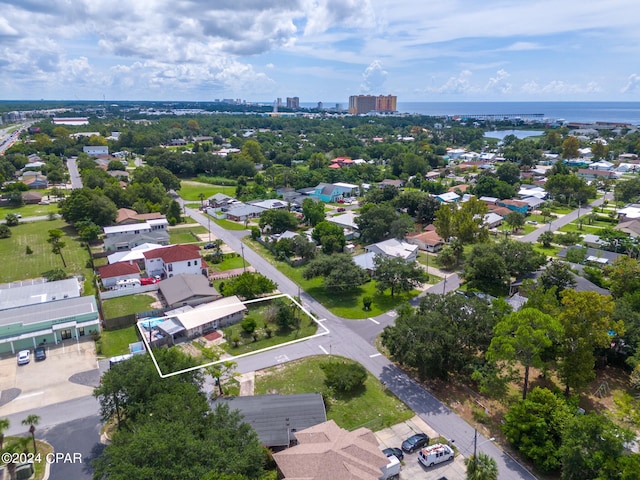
248	324
344	377
28	250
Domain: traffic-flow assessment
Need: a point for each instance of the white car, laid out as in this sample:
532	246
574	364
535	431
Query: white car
23	357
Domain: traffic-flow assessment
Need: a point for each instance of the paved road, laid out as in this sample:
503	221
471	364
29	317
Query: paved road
74	174
342	341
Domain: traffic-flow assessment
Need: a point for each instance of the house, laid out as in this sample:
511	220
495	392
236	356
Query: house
366	261
592	174
211	316
393	183
394	248
187	289
514	205
533	202
95	150
270	204
492	220
126	216
31	198
428	241
455	153
594	252
601	165
346	220
448	197
582	284
239	212
21	294
631	212
219	200
591	240
328	452
127	236
532	191
26	327
36	182
332	192
173	260
276	418
136	254
110	274
631	228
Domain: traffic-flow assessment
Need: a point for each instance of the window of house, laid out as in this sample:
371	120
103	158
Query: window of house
81	331
170	267
188	264
195	262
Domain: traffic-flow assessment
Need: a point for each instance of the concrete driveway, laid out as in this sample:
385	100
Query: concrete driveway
69	371
412	469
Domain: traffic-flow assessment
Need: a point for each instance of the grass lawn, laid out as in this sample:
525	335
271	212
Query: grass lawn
29	210
191	190
562	210
229	263
116	342
373	407
43	449
17	265
118	307
552	251
247	344
344	304
573	227
185	234
229	225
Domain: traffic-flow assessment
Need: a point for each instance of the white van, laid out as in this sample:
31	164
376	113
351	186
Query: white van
128	283
434	454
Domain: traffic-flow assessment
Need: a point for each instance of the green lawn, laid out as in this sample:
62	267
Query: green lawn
185	234
191	190
552	251
229	263
307	328
116	342
344	304
17	265
229	225
373	407
118	307
574	227
29	210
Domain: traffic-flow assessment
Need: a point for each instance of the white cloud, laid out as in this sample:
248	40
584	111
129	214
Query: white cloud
499	83
559	87
456	85
522	46
373	78
633	84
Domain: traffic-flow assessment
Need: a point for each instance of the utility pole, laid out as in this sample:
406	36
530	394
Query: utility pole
244	265
209	225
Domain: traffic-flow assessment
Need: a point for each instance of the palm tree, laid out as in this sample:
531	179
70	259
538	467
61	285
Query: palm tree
201	197
4	425
32	420
481	467
16	445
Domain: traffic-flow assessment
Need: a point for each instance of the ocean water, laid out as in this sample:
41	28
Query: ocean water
620	112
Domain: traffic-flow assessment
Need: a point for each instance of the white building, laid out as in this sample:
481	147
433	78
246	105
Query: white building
394	248
174	259
95	150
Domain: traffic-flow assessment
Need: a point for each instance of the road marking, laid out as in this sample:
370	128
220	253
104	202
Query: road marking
374	321
375	355
322	320
323	349
28	395
282	358
392	313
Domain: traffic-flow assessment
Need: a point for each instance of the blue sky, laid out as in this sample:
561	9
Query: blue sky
320	50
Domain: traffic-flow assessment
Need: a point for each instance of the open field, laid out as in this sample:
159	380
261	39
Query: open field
29	210
190	190
229	263
185	234
17	265
373	407
229	225
118	307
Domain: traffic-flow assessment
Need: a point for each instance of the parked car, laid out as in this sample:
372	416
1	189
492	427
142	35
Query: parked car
393	451
40	353
532	222
415	442
209	246
341	209
18	215
148	281
23	357
434	454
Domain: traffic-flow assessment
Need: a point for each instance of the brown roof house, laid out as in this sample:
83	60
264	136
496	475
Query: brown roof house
428	241
328	452
110	274
126	216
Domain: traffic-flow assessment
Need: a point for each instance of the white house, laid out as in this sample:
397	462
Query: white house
125	237
602	165
394	248
95	150
174	259
448	197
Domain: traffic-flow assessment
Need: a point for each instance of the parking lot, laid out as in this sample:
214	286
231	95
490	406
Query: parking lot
69	371
412	469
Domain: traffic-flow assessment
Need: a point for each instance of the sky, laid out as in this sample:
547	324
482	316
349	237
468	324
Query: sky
320	50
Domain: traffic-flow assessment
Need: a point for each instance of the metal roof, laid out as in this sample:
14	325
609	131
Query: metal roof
66	309
276	417
14	296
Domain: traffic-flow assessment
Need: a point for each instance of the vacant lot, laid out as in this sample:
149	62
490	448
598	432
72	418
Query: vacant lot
18	265
373	406
191	190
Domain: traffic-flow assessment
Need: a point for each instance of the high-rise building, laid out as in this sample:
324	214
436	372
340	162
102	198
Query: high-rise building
361	104
293	103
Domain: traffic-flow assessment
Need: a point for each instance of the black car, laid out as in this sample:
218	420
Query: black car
40	353
393	451
415	442
208	246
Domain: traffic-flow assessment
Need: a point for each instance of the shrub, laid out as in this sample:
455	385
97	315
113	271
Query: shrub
248	324
28	250
366	303
344	377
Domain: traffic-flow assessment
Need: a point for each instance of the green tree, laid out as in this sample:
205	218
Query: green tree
4	426
339	272
375	221
485	267
535	426
397	274
520	257
11	220
508	172
546	238
624	276
88	231
515	220
344	376
278	220
249	285
442	336
57	244
5	231
570	147
330	236
481	467
313	211
586	321
524	336
557	274
592	447
32	420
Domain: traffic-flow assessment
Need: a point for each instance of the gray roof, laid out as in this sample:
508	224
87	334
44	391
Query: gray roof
593	252
276	417
69	308
20	294
171	326
582	284
185	286
365	261
242	209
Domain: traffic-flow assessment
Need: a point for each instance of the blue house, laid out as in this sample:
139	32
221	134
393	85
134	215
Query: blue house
332	192
514	205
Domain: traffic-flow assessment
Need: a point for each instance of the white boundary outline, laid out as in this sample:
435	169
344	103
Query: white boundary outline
326	331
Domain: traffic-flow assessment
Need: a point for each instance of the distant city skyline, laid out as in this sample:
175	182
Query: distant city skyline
319	50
